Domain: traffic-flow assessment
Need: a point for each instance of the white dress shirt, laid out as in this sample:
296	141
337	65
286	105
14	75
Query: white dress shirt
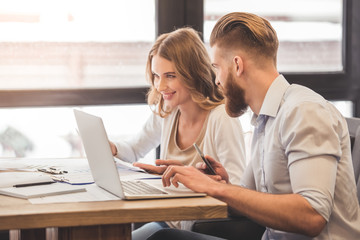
301	145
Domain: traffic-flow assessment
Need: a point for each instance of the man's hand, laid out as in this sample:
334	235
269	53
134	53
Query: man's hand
190	177
218	167
161	165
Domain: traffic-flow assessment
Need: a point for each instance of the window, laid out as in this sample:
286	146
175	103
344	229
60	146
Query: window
71	52
66	44
310	32
50	132
346	108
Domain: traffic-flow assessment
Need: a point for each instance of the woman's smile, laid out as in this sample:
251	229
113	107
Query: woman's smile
168	95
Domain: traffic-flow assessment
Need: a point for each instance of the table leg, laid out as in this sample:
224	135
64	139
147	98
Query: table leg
28	234
108	232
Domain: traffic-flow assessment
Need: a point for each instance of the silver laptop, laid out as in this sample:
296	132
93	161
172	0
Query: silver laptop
104	170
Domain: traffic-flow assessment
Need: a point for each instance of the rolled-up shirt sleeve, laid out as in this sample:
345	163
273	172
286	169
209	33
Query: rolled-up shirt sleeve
313	150
314	179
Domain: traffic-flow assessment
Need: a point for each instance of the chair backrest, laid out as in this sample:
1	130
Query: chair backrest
354	131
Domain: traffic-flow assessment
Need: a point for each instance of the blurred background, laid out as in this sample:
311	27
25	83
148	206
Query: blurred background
61	46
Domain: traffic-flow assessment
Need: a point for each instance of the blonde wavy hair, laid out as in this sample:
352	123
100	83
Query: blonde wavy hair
184	48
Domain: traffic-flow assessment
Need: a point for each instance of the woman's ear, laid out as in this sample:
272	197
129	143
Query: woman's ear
239	65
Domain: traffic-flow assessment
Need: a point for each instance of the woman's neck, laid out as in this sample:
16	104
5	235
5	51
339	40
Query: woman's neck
191	121
192	113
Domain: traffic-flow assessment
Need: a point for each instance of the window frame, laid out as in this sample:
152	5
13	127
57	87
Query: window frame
342	85
72	97
171	14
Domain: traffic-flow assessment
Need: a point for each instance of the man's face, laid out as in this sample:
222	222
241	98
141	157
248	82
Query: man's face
235	103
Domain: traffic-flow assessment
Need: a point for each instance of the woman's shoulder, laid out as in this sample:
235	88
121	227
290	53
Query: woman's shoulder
219	112
218	115
219	120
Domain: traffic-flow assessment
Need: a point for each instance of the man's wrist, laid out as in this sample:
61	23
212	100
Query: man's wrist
216	189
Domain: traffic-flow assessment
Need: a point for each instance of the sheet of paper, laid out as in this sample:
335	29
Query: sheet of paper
71	165
93	193
81	178
129	172
10	164
128	175
86	177
127	166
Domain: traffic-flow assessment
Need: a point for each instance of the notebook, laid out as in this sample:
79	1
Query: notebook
9	179
103	167
41	190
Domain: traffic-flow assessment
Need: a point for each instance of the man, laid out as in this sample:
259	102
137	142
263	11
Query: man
300	181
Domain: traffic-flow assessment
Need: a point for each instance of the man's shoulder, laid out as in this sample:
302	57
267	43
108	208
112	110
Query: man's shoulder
299	93
297	96
300	102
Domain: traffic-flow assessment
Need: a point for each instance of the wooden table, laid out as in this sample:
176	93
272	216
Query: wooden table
100	220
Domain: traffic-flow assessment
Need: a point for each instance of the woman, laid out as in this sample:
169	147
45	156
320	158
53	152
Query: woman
188	109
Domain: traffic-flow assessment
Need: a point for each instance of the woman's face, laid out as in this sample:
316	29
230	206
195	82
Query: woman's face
168	83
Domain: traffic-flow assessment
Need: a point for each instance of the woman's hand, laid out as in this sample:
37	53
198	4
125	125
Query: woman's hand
113	148
161	165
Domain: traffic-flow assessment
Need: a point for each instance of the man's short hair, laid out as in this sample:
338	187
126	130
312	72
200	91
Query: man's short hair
247	32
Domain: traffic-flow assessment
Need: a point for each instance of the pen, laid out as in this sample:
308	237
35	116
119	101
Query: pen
212	171
33	184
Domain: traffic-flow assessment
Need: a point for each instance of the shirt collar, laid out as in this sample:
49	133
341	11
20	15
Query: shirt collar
273	97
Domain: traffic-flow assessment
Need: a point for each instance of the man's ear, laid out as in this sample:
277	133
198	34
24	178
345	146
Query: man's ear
239	65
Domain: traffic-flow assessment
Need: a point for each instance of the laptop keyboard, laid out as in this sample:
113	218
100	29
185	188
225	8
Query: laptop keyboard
140	188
